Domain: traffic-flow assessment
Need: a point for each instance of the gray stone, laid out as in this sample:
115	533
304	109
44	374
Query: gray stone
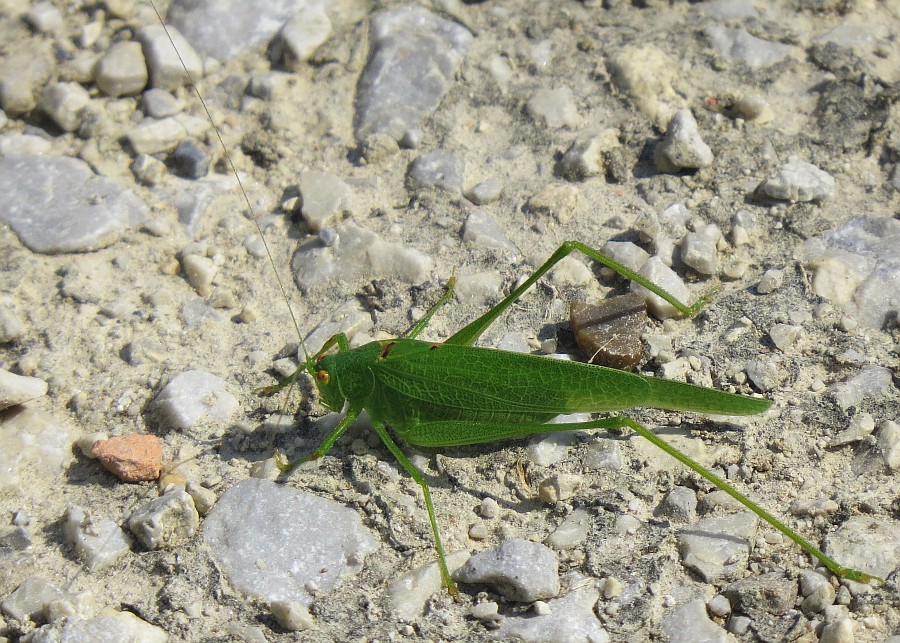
664	277
482	231
355	254
520	570
275	542
32	441
158	103
45	18
739	46
301	36
223	28
690	623
192	395
153	136
30	598
21	74
868	382
437	169
413	58
771	593
407	597
680	504
115	626
859	262
866	543
325	196
485	192
57	204
18	389
553	107
122	71
570	618
571	532
718	546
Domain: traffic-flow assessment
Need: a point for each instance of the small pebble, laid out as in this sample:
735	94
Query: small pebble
489	509
680	504
719	606
798	180
131	458
571	532
98	542
660	274
292	616
485	192
559	487
19	389
122	71
438	169
64	103
784	336
165	522
682	148
612	588
300	36
559	200
325	196
188	160
553	107
771	281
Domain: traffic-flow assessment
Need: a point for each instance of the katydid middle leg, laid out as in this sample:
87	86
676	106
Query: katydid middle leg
472	331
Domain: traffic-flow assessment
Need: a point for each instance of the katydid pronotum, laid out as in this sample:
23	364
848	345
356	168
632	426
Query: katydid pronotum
452	393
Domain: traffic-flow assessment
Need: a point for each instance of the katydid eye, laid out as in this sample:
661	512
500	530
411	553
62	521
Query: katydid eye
323	376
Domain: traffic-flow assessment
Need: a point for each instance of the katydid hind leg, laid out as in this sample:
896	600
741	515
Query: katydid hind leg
455	433
470	333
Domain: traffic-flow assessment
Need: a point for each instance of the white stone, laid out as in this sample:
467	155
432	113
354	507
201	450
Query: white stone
798	180
167	71
122	71
165	522
664	277
682	148
19	389
98	542
302	35
64	103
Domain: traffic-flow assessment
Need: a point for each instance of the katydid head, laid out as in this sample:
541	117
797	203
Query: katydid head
327	381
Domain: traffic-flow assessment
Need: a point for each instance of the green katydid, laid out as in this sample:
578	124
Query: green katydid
453	393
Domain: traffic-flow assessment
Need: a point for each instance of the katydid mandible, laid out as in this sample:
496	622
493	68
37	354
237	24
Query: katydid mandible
453	393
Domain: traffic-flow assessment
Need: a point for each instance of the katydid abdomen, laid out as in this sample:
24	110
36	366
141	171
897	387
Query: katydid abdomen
439	394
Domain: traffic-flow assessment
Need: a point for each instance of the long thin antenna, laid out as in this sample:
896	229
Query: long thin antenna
227	155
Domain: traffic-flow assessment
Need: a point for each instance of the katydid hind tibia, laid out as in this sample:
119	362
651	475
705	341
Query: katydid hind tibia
453	393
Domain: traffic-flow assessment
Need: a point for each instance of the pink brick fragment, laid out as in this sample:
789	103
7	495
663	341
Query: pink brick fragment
132	458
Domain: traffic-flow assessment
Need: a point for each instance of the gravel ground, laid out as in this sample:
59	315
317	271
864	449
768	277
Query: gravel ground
182	284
